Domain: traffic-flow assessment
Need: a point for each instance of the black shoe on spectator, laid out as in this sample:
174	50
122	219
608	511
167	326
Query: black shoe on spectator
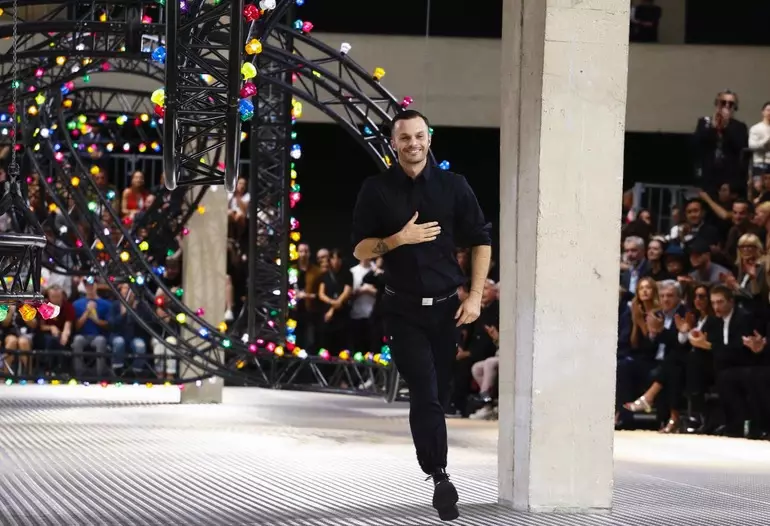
444	496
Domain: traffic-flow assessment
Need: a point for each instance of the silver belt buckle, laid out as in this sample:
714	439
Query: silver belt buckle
427	302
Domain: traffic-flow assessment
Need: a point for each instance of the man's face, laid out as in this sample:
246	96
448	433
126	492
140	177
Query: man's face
323	257
490	292
694	214
335	262
411	140
766	112
726	104
304	252
669	299
721	305
633	252
740	213
697	260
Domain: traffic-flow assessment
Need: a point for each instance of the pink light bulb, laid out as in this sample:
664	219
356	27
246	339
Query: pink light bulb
48	310
200	311
252	347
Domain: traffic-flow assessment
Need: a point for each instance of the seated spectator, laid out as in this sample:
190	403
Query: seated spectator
664	332
18	336
485	374
733	361
477	346
91	329
54	334
704	270
655	251
636	361
124	329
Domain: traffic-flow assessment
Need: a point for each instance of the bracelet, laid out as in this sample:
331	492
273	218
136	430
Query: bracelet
477	291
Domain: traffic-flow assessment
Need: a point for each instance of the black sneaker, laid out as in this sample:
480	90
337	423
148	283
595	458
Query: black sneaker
444	496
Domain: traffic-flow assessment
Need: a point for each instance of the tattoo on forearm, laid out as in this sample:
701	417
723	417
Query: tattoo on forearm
380	248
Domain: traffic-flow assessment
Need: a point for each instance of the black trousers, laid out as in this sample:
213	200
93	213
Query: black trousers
736	395
699	378
423	344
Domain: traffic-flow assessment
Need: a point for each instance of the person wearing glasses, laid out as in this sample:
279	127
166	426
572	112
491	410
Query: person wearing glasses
719	141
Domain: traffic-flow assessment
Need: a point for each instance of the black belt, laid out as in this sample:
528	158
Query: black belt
426	302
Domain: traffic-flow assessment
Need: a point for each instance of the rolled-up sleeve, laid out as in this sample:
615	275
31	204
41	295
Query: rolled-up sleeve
471	228
365	219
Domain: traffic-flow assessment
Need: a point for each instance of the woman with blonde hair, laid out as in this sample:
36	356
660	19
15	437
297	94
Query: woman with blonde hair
751	286
635	364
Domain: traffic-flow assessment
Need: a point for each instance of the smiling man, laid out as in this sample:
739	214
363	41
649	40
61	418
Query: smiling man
414	215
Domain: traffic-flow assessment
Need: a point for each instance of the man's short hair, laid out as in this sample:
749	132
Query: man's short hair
407	115
724	290
671	284
636	240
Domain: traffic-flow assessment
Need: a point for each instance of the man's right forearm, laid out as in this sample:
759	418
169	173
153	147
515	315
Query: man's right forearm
374	247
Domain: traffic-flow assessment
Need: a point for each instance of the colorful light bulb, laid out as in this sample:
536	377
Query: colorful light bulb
48	310
253	47
248	70
28	312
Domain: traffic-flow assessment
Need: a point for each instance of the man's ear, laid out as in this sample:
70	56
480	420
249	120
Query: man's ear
393	144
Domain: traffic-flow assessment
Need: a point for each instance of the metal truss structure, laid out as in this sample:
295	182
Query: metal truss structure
76	39
293	68
202	92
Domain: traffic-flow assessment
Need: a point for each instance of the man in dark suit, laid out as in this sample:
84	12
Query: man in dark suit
733	360
635	261
671	351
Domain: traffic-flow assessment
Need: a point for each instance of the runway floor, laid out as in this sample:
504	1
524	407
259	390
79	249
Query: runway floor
81	456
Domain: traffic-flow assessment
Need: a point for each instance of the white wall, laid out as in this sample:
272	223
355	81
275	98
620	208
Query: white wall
669	86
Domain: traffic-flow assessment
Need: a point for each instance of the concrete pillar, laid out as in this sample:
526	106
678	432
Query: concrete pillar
204	273
564	69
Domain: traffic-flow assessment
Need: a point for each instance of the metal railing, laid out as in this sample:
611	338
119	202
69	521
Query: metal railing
659	200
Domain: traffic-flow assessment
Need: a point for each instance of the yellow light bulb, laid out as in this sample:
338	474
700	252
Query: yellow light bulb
222	327
40	98
103	17
201	209
94	170
124	256
295	236
253	47
75	181
248	70
60	61
28	312
52	207
181	317
67	103
32	110
99	245
378	73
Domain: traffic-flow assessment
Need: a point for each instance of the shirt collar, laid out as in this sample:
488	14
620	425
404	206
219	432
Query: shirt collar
729	317
426	173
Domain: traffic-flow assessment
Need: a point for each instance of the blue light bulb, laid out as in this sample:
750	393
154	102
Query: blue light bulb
159	55
444	165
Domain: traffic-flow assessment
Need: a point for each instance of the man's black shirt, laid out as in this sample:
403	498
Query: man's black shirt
388	201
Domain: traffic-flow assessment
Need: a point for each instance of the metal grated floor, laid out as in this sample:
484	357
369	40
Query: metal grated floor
72	456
